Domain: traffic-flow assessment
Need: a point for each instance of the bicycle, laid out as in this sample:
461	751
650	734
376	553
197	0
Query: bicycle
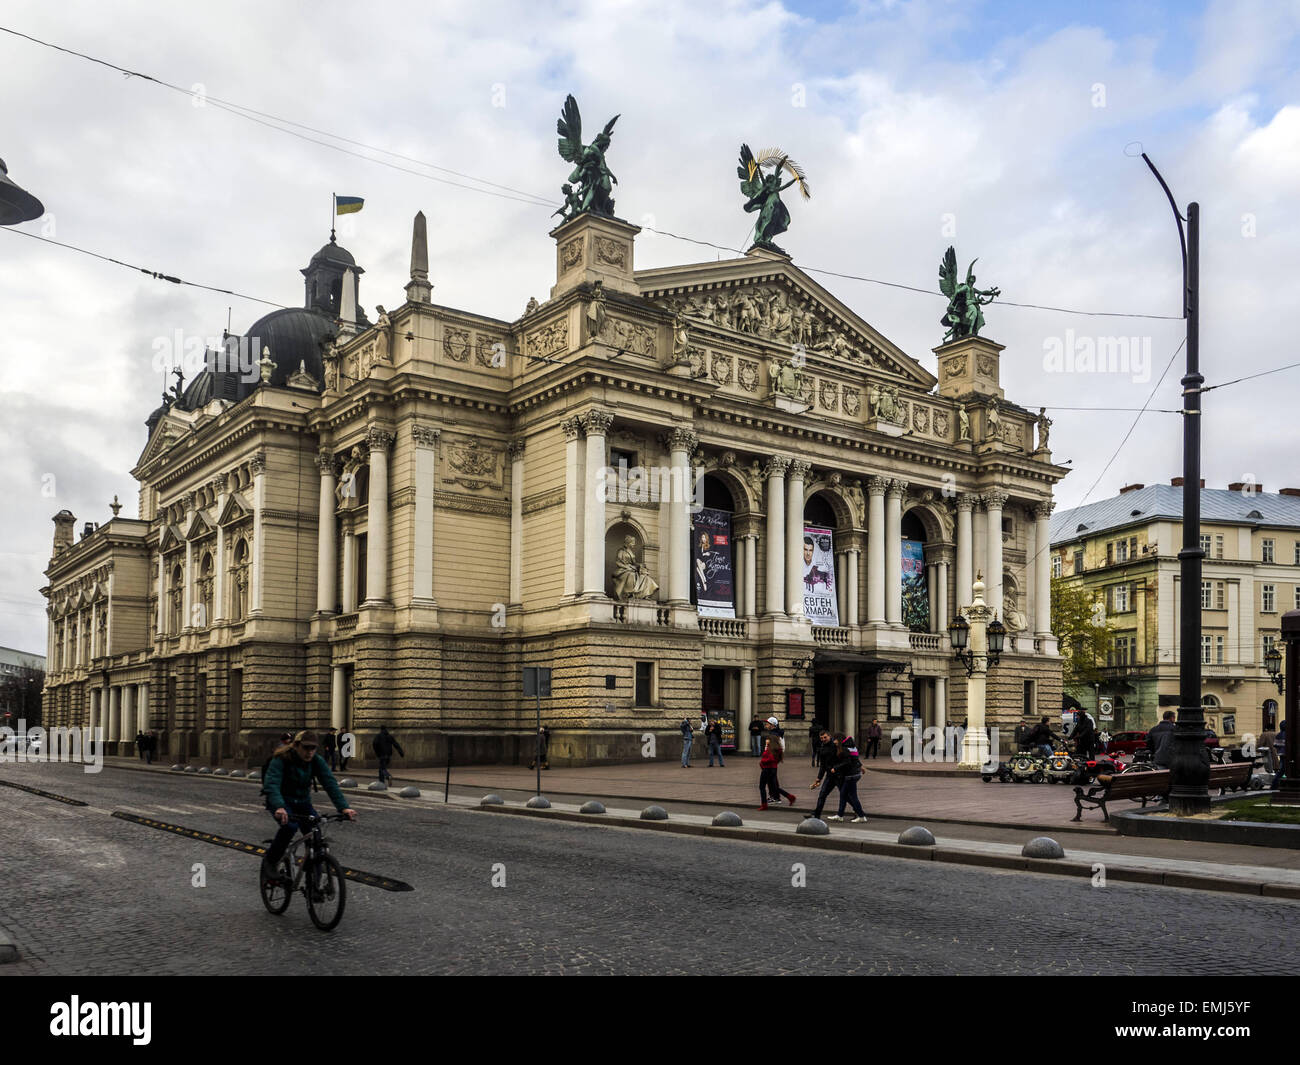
317	875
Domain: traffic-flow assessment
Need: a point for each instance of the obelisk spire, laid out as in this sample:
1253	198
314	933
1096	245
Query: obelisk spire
348	305
418	289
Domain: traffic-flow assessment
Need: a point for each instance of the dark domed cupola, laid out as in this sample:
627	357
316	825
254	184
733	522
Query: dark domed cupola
324	279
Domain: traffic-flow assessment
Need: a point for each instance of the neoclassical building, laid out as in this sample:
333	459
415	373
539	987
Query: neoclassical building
701	487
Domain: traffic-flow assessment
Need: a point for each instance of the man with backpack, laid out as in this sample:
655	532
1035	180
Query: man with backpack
848	771
290	773
383	746
688	737
713	738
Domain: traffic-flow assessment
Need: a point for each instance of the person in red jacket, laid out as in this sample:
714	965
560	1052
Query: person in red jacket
767	781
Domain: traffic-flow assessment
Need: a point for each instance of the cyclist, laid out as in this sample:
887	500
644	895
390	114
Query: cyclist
287	787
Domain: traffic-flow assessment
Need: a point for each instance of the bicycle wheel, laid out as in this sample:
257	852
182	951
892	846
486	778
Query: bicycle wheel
327	893
276	894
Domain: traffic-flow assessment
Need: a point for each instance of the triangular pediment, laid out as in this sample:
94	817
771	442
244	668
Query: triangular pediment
170	540
235	510
764	298
198	527
165	433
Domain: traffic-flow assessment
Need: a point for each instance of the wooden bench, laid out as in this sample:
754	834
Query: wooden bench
1153	785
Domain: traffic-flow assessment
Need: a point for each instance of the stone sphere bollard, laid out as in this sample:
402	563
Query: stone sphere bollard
348	782
492	800
727	819
1043	847
410	792
205	769
813	826
221	772
237	773
190	769
254	774
592	807
177	768
538	802
376	785
654	813
916	836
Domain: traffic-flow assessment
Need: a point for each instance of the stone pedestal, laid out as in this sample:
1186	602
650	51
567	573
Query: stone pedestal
970	365
590	249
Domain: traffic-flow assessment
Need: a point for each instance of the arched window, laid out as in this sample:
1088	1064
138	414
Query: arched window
205	590
177	604
239	581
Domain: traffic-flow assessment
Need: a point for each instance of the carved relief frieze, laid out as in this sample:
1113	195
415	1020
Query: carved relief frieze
455	345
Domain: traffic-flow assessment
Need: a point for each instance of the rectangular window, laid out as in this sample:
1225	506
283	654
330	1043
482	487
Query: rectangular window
1218	545
1121	598
1270	598
1028	703
1121	551
1297	596
645	683
1205	650
1078	561
1218	595
362	565
1207	591
1110	554
1218	650
1268	643
1205	544
1267	548
1056	566
1297	553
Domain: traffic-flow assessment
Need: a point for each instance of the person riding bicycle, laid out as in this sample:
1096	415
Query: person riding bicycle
287	787
1041	737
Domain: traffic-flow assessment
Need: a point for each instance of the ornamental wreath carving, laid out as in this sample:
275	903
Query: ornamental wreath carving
828	395
611	252
490	351
474	464
721	371
956	366
570	254
941	424
455	345
747	375
921	419
852	401
987	365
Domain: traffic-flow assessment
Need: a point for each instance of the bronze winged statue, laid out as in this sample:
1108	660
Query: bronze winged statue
964	318
591	184
763	191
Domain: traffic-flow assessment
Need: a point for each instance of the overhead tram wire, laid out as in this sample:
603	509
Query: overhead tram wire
278	123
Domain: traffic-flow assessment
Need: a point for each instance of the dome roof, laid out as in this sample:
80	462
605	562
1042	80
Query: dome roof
295	336
334	253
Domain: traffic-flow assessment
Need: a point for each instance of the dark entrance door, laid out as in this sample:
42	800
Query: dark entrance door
713	691
822	694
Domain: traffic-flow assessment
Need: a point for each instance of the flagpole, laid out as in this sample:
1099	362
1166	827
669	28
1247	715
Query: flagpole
334	210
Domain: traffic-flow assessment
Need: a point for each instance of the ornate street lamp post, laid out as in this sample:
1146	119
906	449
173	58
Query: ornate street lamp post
16	203
1289	793
985	636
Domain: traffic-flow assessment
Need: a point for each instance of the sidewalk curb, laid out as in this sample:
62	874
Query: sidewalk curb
1058	867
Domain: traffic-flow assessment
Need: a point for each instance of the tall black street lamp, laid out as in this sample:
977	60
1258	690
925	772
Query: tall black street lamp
1189	769
16	203
1288	793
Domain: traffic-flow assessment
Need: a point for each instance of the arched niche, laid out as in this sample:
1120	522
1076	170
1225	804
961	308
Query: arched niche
617	532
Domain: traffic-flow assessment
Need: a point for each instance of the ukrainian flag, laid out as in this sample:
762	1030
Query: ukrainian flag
348	204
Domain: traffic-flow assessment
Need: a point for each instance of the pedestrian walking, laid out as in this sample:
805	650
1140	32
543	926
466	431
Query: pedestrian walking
755	737
768	784
139	745
543	748
713	737
826	780
814	739
1085	737
150	746
383	745
1279	754
848	768
1160	740
329	747
688	737
772	727
874	733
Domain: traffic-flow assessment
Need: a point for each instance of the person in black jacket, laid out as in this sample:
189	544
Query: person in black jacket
290	772
543	745
384	745
848	768
1085	736
713	739
827	779
1160	740
1042	737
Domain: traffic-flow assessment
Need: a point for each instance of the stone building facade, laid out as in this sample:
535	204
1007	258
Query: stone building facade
396	519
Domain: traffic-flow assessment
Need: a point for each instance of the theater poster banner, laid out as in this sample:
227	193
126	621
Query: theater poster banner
819	604
916	596
711	570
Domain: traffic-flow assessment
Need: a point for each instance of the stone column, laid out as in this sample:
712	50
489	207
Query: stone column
681	442
425	441
942	626
573	504
379	441
128	713
92	722
144	710
932	595
853	565
941	703
219	558
746	714
751	577
596	423
326	564
187	599
841	602
349	567
794	538
965	550
894	552
257	464
876	537
338	698
850	713
114	730
162	598
516	453
1043	570
775	474
994	501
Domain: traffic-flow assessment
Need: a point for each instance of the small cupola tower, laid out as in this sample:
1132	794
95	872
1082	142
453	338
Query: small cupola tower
324	279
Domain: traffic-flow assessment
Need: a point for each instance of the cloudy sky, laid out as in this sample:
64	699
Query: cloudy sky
999	127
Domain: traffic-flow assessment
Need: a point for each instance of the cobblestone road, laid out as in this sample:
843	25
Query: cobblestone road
87	894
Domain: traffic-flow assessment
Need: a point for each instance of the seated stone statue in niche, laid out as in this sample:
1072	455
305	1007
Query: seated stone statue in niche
1011	616
632	579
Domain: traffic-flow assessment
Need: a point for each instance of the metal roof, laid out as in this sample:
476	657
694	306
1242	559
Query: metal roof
1158	502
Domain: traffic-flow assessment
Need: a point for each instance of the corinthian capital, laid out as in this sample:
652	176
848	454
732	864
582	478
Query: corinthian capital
1043	511
799	469
898	487
877	486
681	439
995	499
257	464
378	439
425	436
967	501
515	448
597	422
572	427
776	467
325	461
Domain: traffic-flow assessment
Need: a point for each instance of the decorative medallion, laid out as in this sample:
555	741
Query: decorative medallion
852	401
455	345
988	365
474	465
955	366
490	351
941	424
611	252
570	254
747	375
921	419
827	393
721	371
